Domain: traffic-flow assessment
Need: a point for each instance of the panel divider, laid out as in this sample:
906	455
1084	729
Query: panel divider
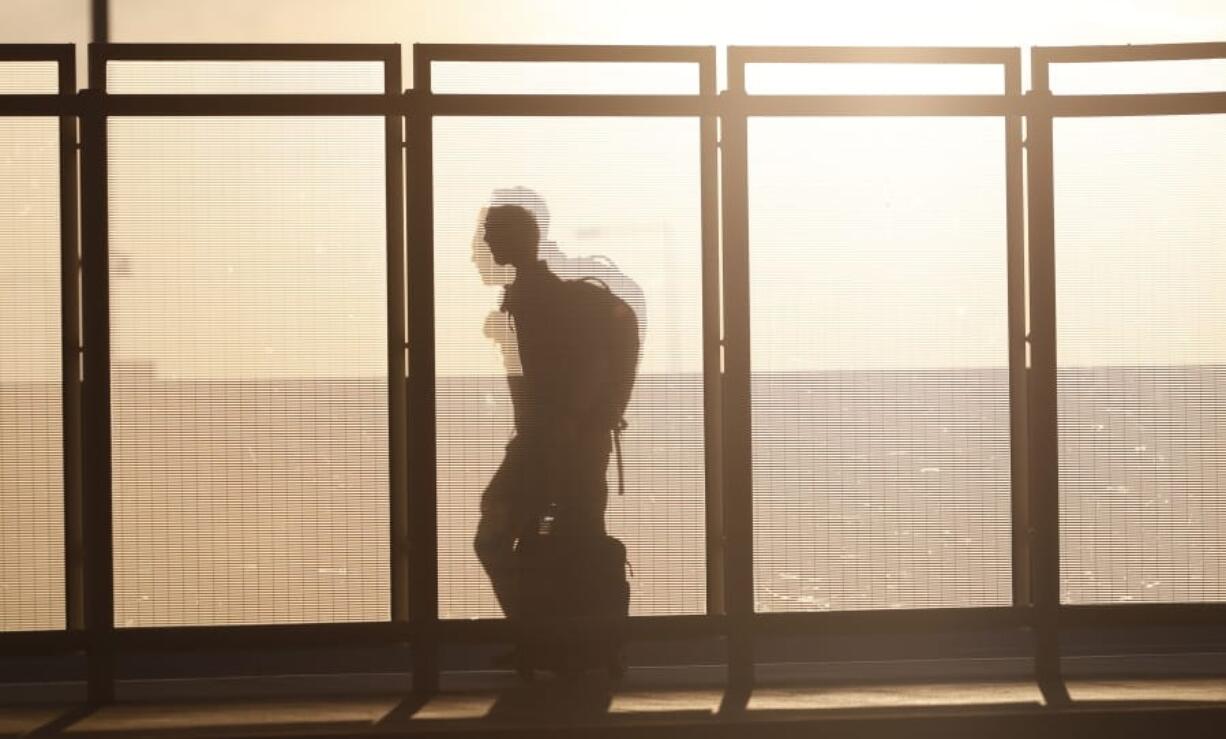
423	440
96	431
712	345
737	424
1042	415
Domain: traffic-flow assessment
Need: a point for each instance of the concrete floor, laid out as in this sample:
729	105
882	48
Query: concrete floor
638	707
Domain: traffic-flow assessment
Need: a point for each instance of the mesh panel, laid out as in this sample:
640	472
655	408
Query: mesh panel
31	424
561	78
29	78
248	263
626	190
879	355
1140	262
874	79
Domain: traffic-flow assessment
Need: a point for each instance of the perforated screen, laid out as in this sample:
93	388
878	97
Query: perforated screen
29	78
622	204
879	358
1140	264
31	392
249	363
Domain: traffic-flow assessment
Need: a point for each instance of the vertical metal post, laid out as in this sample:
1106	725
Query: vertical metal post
70	351
1043	420
423	490
96	432
712	346
737	446
397	409
1016	260
100	21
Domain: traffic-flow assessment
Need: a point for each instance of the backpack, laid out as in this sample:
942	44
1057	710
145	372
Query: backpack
607	328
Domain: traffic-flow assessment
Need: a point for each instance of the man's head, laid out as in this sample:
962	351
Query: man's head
529	200
512	235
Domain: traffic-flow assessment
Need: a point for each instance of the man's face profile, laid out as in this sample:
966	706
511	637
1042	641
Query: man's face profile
498	240
492	273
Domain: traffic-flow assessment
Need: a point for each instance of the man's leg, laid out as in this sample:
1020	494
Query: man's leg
499	526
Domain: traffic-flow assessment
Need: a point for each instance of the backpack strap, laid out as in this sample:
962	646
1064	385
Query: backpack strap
617	449
595	281
621	424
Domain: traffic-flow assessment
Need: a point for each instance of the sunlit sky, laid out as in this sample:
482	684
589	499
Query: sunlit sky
879	22
878	243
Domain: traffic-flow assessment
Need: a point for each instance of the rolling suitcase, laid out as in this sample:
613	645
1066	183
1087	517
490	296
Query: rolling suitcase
574	600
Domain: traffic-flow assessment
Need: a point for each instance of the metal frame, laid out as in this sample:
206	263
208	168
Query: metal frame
105	641
1042	108
423	451
64	56
424	106
730	611
738	451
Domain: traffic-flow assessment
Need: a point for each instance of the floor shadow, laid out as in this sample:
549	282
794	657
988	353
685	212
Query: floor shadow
551	700
405	710
61	722
1055	691
735	702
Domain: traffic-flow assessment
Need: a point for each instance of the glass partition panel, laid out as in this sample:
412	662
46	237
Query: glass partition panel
880	363
31	389
1140	264
249	370
614	199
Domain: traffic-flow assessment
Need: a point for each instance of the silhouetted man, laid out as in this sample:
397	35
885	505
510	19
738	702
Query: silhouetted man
560	451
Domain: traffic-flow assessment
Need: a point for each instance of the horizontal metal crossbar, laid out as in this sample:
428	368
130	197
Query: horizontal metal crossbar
62	53
1185	103
1178	103
638	627
1128	53
15	643
568	105
1144	614
244	52
246	105
893	620
186	638
562	53
738	55
646	627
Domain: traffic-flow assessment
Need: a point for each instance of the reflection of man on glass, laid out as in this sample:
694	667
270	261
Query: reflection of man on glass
498	322
560	450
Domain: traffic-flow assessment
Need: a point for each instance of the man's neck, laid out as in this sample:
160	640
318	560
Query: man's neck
532	268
